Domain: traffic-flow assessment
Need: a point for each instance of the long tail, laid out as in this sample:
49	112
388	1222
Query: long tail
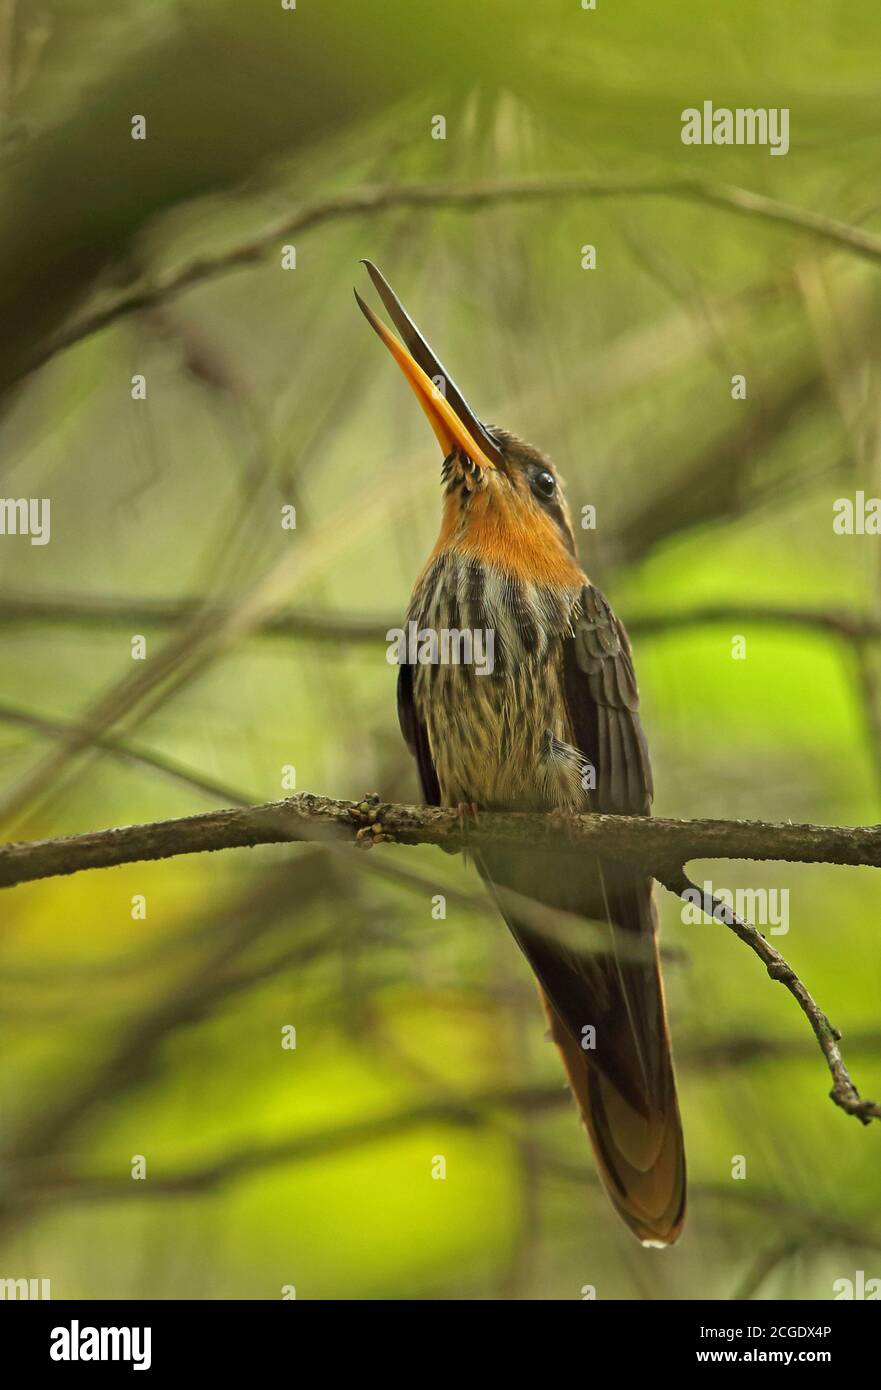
607	1016
641	1160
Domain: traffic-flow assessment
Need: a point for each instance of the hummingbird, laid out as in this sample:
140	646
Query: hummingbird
554	727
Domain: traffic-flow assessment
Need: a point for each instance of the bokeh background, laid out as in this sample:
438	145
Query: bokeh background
161	1035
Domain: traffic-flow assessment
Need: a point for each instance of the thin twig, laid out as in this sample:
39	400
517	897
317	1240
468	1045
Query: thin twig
844	1093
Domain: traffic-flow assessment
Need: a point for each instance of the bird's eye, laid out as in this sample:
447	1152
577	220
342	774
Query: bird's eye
544	483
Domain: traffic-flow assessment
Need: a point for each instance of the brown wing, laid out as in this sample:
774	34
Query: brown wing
416	737
606	1011
603	705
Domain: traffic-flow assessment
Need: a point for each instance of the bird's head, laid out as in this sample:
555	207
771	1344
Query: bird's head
503	500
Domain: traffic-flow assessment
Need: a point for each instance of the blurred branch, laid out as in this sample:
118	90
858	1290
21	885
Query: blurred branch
131	614
133	1058
102	611
46	1182
208	132
151	291
764	1264
720	478
53	1183
837	622
126	752
190	651
870	696
745	1049
568	928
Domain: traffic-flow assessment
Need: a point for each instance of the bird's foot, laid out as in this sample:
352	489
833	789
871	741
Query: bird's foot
561	822
467	811
371	830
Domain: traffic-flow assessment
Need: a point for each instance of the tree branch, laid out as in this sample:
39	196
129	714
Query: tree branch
658	847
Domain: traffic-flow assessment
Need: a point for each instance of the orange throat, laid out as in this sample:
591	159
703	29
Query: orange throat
512	537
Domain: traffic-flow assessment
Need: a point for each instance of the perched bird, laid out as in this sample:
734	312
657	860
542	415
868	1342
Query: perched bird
554	727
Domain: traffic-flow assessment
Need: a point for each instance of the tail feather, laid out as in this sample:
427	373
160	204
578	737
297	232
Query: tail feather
623	1080
641	1159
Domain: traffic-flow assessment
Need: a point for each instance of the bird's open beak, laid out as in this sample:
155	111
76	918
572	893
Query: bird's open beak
454	423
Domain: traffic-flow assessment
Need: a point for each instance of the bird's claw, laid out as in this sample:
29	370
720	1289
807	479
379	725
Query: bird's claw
467	811
561	822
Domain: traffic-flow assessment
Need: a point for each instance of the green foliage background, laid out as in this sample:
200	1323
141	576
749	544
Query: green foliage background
418	1037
